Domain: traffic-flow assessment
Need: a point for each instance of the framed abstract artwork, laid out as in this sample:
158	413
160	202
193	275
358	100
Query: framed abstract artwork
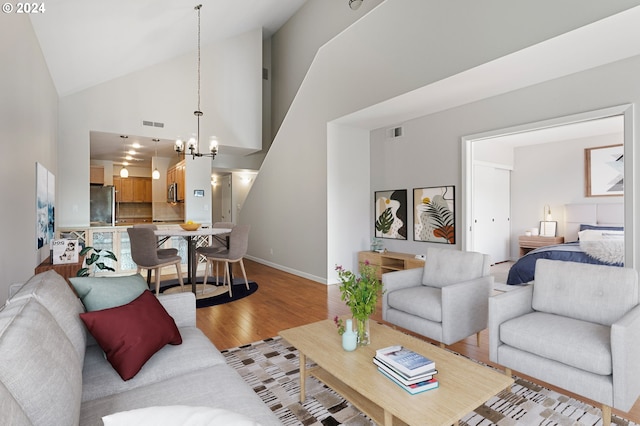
45	205
604	171
390	212
434	214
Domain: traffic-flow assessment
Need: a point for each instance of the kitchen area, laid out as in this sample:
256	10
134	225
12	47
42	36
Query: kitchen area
119	201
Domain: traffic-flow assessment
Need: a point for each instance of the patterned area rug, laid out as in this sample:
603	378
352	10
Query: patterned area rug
270	367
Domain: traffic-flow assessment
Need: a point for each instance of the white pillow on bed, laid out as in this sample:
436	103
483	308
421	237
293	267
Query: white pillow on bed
178	415
597	235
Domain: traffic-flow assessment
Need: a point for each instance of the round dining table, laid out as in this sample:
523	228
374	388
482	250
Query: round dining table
192	261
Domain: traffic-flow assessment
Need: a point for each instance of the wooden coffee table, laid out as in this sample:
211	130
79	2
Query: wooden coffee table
464	384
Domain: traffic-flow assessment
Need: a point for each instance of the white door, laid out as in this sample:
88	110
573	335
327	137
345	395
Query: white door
491	206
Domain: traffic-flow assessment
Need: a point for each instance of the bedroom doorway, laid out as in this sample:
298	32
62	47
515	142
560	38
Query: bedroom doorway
529	196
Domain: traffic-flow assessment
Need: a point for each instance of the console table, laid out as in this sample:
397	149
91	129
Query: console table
389	261
67	270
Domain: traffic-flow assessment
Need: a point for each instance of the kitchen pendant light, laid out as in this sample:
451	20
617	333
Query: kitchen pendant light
124	173
156	174
193	145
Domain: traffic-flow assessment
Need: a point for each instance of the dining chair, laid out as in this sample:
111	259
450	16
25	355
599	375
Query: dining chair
218	243
144	253
238	243
162	252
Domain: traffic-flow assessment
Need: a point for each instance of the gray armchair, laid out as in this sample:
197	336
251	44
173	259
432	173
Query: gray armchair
446	301
576	327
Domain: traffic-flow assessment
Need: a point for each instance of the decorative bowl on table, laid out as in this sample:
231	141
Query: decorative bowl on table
190	226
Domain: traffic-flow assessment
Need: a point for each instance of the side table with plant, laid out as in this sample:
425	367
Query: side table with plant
361	296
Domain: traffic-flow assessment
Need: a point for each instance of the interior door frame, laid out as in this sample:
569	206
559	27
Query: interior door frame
625	110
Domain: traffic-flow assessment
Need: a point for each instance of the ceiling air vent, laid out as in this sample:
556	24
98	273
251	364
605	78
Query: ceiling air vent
152	123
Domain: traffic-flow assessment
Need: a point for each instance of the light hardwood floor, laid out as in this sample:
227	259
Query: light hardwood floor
284	300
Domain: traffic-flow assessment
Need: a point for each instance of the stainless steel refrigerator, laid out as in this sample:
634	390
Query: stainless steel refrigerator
102	205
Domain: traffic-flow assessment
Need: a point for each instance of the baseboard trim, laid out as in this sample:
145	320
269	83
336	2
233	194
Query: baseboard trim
289	270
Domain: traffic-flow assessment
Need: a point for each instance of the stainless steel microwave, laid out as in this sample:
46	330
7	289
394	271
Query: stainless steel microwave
172	193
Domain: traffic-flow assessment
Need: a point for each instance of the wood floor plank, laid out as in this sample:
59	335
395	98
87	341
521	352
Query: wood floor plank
285	300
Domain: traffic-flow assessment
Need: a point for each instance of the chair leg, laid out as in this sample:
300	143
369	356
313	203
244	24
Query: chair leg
206	274
179	269
227	274
442	345
478	339
156	271
246	281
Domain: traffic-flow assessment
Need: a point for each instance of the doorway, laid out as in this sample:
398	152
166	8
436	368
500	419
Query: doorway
499	146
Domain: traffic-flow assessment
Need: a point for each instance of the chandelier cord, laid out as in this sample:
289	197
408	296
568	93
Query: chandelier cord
198	68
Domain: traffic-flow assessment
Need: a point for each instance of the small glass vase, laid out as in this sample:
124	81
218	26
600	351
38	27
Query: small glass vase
362	329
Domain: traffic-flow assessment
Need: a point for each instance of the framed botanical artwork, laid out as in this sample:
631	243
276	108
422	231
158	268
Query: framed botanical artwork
604	171
390	214
434	214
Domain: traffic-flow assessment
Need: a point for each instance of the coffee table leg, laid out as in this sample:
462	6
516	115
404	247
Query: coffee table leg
303	376
388	418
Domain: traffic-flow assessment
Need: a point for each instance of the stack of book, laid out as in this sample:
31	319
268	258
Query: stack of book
409	370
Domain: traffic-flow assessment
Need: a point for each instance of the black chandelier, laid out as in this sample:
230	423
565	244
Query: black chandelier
193	145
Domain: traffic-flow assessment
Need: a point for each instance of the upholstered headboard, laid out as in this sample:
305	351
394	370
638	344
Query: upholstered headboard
610	214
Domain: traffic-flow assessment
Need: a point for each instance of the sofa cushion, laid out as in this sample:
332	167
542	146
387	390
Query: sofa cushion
38	364
595	293
107	292
178	415
442	267
132	333
219	386
53	292
421	301
195	353
549	336
10	411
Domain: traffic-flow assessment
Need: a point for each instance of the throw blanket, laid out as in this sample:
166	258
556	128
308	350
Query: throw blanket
608	251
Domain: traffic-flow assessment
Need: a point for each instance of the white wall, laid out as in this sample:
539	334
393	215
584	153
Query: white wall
389	52
231	88
28	124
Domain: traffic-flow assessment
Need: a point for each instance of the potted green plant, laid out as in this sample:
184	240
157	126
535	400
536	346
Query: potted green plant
96	258
360	293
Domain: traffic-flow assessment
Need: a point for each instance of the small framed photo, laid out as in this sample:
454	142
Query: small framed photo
198	192
64	251
548	228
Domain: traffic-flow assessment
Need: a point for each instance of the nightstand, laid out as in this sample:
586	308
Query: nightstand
528	243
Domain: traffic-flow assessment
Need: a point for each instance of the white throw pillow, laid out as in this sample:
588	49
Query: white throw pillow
178	415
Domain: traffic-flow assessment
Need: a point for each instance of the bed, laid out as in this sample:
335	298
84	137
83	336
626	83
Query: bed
595	234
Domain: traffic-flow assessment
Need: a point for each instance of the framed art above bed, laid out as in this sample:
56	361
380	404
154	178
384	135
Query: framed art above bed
604	171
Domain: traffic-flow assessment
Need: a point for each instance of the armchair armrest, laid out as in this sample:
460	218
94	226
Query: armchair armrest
625	352
503	307
397	280
181	307
465	308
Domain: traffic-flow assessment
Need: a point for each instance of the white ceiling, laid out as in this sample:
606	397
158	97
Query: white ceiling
89	42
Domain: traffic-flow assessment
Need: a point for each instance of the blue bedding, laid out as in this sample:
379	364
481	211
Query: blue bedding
523	270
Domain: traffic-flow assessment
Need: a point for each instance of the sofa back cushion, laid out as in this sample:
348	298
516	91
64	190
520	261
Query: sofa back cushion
38	364
53	292
597	293
443	267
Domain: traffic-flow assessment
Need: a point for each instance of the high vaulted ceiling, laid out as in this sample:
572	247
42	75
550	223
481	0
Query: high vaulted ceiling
88	42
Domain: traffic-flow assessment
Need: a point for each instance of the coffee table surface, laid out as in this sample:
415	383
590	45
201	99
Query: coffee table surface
463	384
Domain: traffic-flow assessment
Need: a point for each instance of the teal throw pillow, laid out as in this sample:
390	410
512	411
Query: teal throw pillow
99	293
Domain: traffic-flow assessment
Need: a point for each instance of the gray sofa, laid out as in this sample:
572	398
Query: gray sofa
53	373
576	327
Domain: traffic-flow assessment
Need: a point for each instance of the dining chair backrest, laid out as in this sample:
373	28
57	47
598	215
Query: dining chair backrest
238	241
143	243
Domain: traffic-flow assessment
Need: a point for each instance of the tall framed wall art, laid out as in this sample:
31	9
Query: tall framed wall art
434	214
390	213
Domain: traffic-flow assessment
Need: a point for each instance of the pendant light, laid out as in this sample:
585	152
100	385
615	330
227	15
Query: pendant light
193	145
156	174
124	173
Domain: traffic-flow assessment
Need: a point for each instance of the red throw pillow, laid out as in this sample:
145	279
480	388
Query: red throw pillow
130	334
